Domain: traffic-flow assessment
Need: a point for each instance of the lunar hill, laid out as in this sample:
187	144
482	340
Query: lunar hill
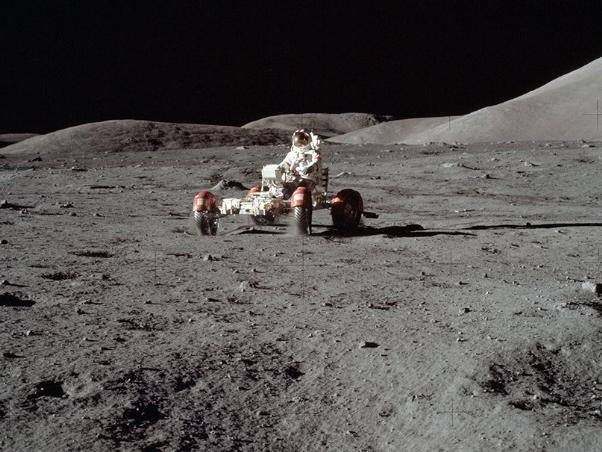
134	136
563	109
391	132
6	139
324	124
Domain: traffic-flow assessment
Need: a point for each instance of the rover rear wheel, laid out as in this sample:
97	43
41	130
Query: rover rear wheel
346	209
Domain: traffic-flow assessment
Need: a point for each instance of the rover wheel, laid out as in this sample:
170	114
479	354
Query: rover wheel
346	209
302	220
204	224
213	225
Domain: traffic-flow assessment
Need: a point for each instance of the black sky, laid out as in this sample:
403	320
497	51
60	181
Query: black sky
230	62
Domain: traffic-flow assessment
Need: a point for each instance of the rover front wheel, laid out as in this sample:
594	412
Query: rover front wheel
302	220
205	223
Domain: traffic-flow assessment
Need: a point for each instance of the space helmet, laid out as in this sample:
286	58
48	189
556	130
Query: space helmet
301	138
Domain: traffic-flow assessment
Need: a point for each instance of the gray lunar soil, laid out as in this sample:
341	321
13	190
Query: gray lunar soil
457	320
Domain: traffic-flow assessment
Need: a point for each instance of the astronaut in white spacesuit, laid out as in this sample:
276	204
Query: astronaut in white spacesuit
302	165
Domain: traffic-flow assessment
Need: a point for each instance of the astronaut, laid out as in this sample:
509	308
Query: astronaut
301	166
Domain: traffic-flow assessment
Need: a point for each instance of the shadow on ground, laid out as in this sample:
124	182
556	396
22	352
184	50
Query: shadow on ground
411	230
532	226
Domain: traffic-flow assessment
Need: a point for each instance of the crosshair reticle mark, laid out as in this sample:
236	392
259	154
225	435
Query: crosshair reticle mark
450	263
453	411
596	262
597	114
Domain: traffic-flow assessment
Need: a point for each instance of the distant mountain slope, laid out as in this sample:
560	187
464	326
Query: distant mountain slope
390	132
134	135
6	139
564	109
324	124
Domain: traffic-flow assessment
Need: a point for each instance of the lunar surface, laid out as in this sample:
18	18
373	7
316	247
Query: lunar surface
464	318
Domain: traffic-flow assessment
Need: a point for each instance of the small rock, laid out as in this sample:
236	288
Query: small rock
73	214
79	311
465	310
341	174
3	242
592	287
208	258
368	344
28	333
9	355
244	286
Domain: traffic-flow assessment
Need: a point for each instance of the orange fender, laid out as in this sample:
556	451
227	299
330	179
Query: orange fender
301	197
204	201
254	189
346	194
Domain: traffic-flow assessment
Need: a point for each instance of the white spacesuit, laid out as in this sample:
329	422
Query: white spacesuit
302	164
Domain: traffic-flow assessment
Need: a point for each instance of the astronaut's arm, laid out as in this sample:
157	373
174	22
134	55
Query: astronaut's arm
314	161
286	164
315	141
